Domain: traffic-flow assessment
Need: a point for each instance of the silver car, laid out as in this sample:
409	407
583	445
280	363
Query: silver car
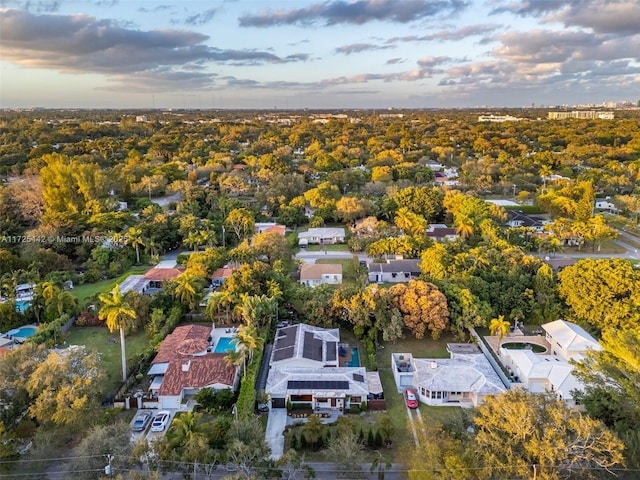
141	422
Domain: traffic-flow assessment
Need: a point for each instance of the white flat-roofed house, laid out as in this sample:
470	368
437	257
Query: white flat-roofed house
441	233
551	371
324	236
314	274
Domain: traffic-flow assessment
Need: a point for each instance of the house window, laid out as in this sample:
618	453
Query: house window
394	275
335	277
406	275
356	399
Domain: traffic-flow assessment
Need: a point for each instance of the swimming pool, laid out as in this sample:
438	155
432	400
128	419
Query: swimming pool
22	305
355	358
22	332
224	345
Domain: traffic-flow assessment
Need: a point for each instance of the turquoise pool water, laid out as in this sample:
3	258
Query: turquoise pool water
224	345
24	332
355	358
22	305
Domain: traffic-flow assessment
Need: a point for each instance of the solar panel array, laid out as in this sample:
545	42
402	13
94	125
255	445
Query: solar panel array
331	351
317	385
312	347
282	354
358	378
283	346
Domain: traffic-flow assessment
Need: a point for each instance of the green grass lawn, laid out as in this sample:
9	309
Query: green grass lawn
350	267
107	344
87	291
419	348
336	247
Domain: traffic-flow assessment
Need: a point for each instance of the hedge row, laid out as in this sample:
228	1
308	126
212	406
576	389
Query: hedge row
247	398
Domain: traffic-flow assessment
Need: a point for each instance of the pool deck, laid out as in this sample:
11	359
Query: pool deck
348	358
494	342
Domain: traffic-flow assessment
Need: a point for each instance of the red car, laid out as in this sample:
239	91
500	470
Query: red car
410	398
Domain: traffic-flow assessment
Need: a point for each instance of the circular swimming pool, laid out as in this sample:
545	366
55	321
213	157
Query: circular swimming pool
524	346
23	332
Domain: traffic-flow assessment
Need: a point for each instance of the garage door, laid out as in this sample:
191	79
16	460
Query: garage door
278	403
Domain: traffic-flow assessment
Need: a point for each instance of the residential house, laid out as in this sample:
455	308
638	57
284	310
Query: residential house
605	205
220	275
307	366
393	271
465	379
312	274
261	227
519	219
322	236
153	281
551	371
439	232
187	362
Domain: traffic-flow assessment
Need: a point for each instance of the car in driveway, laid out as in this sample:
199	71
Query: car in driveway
410	398
141	421
160	421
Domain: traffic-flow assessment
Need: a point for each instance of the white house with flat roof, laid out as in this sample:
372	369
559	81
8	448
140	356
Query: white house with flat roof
324	236
551	371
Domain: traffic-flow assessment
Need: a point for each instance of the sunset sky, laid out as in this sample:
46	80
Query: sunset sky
317	54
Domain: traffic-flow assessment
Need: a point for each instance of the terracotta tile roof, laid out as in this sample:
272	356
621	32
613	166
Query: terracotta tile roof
279	229
222	273
202	371
162	274
183	342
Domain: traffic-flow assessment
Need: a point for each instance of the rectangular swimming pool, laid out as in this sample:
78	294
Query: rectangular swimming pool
355	358
224	345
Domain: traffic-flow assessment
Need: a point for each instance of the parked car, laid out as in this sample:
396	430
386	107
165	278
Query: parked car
282	324
160	421
410	398
141	422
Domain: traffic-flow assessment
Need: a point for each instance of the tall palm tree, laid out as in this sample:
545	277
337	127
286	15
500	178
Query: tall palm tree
500	327
118	315
134	238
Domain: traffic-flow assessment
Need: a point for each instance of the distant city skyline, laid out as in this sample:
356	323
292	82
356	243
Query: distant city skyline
296	54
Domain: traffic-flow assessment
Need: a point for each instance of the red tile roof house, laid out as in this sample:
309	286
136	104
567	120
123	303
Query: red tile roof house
186	363
219	276
155	278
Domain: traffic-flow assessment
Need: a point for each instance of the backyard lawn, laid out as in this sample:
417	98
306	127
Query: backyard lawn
108	345
87	291
330	247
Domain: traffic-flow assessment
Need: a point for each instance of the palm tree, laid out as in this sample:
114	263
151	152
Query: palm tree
134	238
188	289
61	300
237	358
118	315
185	428
248	339
499	326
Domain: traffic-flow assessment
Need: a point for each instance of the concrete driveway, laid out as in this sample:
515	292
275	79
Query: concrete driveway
275	427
